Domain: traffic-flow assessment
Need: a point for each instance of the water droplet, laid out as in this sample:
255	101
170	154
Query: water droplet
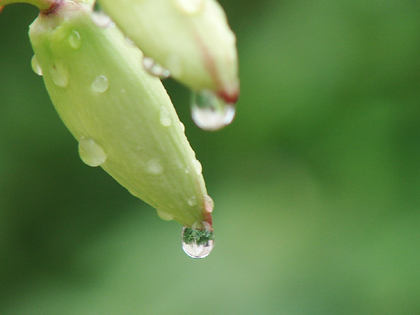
60	75
210	112
36	66
165	215
154	68
101	19
182	126
91	152
192	201
191	6
100	84
75	40
197	166
165	117
208	203
198	240
154	167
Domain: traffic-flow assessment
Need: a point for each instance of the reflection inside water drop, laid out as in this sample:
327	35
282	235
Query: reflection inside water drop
210	112
198	240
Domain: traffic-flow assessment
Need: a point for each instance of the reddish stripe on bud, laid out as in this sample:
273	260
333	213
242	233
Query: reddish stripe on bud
229	97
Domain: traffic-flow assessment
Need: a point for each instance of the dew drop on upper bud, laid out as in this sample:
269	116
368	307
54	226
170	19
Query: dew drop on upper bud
75	40
60	75
91	152
210	112
100	84
190	7
165	117
198	240
36	66
154	68
197	166
101	19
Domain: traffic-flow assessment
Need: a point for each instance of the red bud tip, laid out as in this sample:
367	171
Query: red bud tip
229	97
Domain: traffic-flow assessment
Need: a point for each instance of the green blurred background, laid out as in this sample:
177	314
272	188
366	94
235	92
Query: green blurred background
316	183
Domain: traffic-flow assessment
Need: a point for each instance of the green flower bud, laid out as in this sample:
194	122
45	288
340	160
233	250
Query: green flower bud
121	116
190	38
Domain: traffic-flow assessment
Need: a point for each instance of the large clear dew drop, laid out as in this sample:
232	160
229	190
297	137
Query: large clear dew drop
154	68
210	112
198	240
91	152
36	66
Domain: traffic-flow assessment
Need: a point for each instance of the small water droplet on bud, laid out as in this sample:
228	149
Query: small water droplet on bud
36	66
60	75
75	40
91	152
154	167
154	68
100	84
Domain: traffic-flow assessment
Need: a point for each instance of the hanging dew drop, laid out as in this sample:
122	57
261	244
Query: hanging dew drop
100	84
154	68
36	66
198	240
75	40
60	75
91	153
210	112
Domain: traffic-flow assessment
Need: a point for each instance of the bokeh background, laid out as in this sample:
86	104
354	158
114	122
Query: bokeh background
316	183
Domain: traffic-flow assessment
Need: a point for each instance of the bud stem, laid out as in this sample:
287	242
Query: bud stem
45	6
